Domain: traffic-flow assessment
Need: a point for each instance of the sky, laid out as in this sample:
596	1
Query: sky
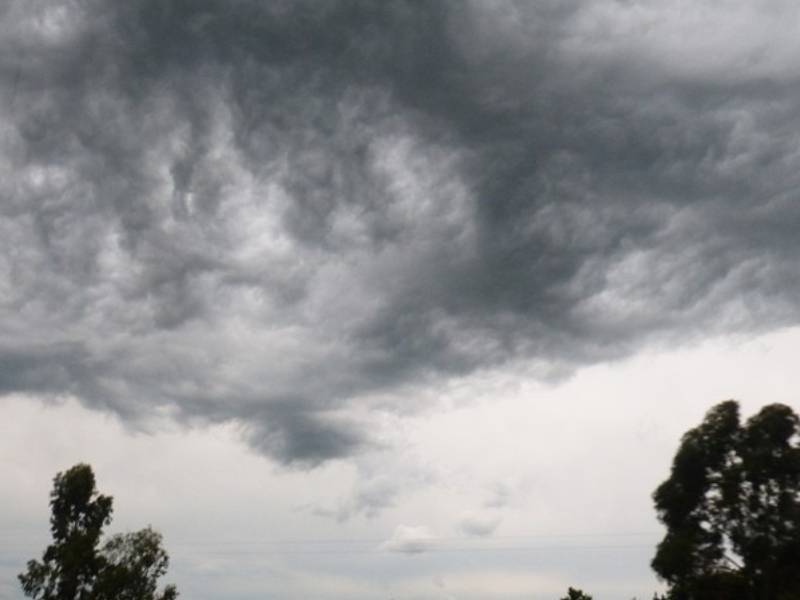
406	299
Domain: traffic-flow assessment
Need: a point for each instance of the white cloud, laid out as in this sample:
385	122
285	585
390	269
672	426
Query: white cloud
410	539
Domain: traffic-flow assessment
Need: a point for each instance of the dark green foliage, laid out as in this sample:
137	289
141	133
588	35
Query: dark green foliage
732	508
573	594
70	564
75	567
133	564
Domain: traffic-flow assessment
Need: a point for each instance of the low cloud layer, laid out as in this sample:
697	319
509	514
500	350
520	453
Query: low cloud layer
277	212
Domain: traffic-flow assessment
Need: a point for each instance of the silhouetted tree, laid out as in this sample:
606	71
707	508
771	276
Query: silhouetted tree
573	594
732	508
76	567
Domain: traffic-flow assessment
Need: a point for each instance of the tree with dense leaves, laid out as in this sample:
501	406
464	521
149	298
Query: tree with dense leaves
731	507
77	567
573	594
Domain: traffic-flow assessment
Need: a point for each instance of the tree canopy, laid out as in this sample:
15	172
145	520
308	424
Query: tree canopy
573	594
75	566
731	507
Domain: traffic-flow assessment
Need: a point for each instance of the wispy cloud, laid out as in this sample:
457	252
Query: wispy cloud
478	524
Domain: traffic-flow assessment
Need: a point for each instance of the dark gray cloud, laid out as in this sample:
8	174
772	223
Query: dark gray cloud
274	211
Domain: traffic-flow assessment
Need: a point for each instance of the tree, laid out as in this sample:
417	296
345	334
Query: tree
76	567
731	507
573	594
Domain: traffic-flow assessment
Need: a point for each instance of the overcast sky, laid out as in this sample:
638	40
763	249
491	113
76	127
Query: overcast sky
406	299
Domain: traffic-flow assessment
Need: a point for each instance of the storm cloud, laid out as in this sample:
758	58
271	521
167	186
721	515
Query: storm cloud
281	212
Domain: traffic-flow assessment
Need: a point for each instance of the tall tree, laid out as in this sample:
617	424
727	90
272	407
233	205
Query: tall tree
731	507
76	567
